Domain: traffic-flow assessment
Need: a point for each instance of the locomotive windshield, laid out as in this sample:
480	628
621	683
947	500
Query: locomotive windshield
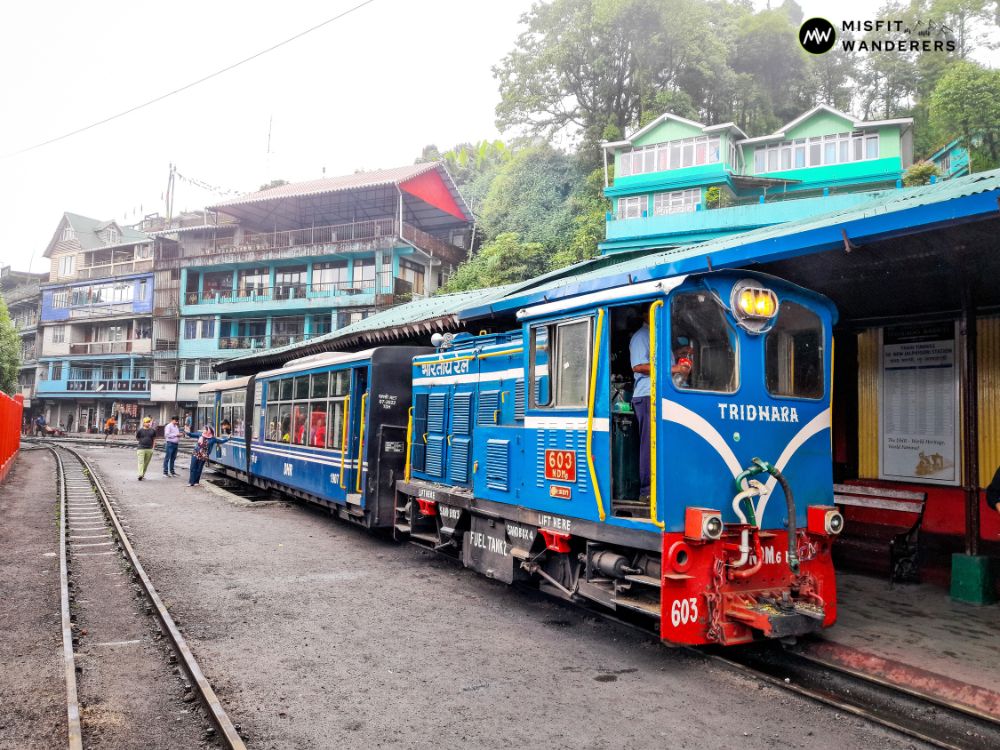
794	353
703	345
563	382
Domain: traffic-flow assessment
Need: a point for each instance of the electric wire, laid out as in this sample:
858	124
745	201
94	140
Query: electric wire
190	85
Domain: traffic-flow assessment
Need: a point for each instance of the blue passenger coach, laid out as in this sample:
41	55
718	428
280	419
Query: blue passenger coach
330	428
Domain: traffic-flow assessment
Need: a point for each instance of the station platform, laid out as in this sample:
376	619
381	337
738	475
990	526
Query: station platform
916	637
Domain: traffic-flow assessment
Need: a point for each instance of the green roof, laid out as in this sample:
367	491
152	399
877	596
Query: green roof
424	315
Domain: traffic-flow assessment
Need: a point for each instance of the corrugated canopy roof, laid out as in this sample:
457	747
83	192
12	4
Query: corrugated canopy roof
421	317
890	213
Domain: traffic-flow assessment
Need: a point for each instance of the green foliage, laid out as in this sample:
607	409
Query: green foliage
530	197
503	260
920	173
10	352
716	197
589	208
966	104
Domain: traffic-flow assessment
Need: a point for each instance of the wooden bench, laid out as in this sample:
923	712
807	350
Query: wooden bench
881	530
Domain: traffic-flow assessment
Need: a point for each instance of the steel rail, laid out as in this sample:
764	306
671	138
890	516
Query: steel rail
976	730
74	728
209	699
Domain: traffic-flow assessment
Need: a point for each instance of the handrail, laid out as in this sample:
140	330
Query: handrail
343	440
361	443
409	443
653	420
590	413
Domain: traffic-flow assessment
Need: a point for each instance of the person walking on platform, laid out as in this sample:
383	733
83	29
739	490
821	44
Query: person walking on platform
109	427
171	443
206	442
145	438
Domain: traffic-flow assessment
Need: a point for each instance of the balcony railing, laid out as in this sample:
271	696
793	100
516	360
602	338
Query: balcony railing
328	235
108	347
105	270
385	283
102	385
27	355
25	324
264	342
102	310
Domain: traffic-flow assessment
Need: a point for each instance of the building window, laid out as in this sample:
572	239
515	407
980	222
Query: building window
56	371
676	202
321	324
68	234
346	317
113	235
143	329
413	273
820	151
329	277
195	328
143	284
632	208
67	264
60	299
364	274
58	334
662	157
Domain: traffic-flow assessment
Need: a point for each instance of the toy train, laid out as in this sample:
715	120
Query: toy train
518	452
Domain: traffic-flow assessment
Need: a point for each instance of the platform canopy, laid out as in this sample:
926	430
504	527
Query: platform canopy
907	251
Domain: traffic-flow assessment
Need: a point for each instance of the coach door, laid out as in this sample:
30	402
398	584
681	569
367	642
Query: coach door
356	437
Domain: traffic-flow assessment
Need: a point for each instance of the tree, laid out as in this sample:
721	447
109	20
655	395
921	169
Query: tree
530	197
920	173
10	352
966	104
504	260
589	208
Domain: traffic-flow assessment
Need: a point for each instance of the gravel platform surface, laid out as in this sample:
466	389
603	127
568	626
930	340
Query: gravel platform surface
317	635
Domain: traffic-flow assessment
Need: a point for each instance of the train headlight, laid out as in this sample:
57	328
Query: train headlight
825	520
753	305
703	523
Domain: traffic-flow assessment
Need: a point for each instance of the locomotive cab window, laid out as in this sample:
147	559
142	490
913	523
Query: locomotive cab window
560	364
703	345
793	353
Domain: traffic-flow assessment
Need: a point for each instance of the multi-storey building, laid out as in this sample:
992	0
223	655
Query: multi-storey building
293	262
96	330
677	181
22	293
952	160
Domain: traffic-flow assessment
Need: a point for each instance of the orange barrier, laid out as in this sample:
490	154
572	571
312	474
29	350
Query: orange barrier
10	431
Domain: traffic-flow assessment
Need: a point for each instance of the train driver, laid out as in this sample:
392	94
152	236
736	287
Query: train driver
680	370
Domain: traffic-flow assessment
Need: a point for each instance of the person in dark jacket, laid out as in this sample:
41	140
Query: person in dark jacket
993	492
145	438
202	450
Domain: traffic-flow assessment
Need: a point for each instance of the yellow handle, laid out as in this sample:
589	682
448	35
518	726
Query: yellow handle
496	414
361	443
425	437
409	443
449	441
590	413
653	419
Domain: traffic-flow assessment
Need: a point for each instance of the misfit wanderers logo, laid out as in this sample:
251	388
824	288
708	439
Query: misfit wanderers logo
817	35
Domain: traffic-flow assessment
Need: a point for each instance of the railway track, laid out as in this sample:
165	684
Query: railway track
93	541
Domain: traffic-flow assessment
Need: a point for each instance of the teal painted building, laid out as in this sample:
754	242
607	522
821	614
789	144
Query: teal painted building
677	181
952	160
297	261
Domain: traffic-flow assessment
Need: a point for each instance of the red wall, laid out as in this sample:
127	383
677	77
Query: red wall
10	431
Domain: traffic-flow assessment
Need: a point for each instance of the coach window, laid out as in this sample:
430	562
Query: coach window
560	364
703	346
286	389
793	353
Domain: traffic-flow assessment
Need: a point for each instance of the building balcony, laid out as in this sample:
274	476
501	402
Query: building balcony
233	344
21	293
107	270
134	346
383	291
100	386
358	236
698	226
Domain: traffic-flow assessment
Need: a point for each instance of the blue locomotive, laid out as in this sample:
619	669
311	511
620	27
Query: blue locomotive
518	452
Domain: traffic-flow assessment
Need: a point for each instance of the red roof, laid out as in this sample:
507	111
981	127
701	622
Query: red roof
358	180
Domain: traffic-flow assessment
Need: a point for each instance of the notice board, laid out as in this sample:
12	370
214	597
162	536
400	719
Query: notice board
918	404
